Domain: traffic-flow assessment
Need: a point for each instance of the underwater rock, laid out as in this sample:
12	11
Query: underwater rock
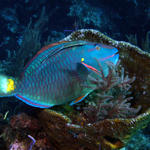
17	134
107	134
57	132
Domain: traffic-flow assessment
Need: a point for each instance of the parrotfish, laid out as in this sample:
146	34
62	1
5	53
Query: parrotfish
57	73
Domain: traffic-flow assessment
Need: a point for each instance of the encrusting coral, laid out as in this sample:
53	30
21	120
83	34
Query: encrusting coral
58	132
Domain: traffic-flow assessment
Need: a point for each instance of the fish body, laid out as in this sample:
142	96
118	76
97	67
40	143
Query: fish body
57	73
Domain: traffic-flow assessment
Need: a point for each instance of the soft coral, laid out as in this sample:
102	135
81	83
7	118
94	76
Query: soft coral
112	96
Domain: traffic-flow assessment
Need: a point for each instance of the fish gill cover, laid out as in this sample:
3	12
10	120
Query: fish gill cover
111	117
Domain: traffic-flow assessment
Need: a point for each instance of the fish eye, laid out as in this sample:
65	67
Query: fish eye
97	47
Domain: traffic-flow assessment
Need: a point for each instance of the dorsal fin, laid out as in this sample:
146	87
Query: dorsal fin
47	52
49	46
42	50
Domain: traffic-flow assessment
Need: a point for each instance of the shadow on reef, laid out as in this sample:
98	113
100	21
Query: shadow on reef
75	130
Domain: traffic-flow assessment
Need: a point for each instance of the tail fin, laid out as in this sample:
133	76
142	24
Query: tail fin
7	86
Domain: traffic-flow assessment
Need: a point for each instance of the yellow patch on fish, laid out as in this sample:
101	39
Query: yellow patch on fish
82	59
10	85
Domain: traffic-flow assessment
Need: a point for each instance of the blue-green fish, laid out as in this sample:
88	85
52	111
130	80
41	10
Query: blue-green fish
57	73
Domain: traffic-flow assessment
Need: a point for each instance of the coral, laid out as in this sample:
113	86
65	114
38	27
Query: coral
115	108
23	121
109	132
112	97
18	133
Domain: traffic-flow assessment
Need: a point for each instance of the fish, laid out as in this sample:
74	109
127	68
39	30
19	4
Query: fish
57	73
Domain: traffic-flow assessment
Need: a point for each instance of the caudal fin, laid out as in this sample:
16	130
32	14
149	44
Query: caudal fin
7	86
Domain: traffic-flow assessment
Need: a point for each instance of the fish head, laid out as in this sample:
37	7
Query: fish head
107	53
104	53
101	54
